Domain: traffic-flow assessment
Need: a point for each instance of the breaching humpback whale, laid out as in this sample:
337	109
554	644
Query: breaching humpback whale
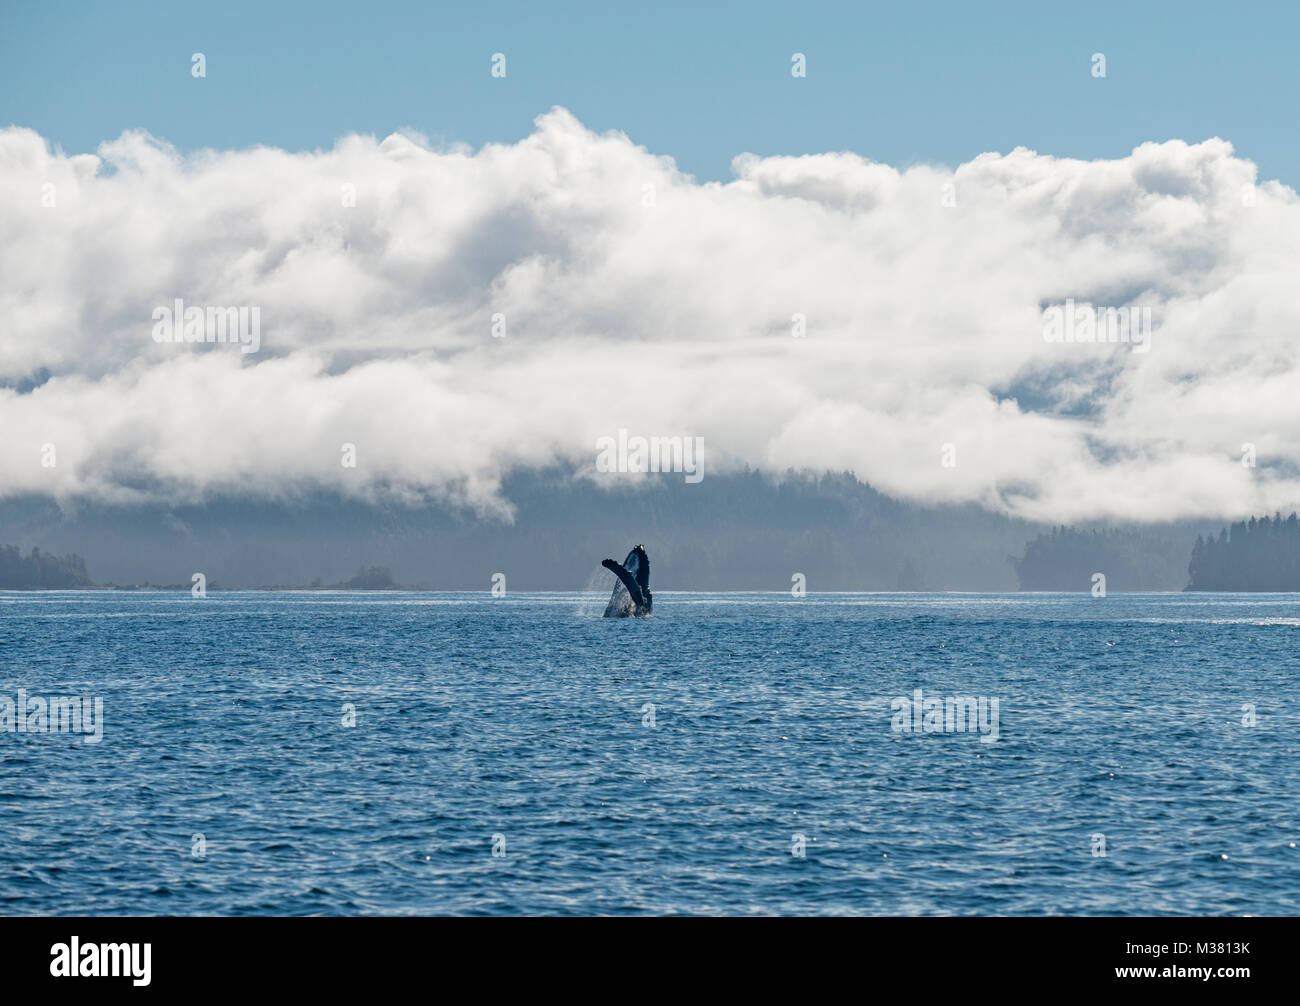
631	597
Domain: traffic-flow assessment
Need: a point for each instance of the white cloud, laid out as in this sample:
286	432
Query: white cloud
924	323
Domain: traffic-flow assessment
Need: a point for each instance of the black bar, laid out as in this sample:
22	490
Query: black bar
929	955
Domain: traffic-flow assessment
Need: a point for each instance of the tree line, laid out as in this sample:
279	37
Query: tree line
1067	558
1261	554
40	570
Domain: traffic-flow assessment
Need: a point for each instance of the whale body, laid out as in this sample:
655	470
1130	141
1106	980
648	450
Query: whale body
631	597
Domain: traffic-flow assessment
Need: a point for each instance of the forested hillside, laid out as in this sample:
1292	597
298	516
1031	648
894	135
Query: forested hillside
1131	559
1260	554
40	570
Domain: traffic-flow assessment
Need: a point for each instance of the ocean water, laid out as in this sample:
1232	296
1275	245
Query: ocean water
226	782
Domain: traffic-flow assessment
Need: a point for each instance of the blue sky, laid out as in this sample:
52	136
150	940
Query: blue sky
900	83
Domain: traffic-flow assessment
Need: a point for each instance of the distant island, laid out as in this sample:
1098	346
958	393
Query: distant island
40	570
1256	555
371	578
1261	554
45	571
1066	558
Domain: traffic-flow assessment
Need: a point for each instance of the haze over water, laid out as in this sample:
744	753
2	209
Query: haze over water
528	717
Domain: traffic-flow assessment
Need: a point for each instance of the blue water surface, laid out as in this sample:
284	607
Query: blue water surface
660	765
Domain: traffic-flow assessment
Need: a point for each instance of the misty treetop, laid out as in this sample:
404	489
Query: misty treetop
40	570
745	530
371	578
1261	554
1066	559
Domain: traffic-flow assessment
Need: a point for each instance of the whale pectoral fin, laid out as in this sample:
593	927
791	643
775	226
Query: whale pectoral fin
627	579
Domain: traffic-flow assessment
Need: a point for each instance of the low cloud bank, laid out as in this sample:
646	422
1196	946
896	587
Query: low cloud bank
431	320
